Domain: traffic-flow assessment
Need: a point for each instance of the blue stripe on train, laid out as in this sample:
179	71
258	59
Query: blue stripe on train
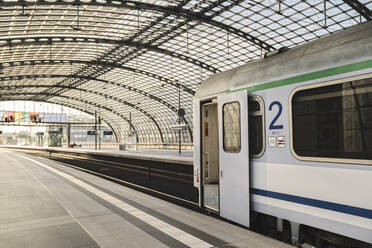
361	212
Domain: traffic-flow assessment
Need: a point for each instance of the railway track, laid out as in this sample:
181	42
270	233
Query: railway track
171	182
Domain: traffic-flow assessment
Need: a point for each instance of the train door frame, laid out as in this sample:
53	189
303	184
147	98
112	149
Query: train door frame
212	200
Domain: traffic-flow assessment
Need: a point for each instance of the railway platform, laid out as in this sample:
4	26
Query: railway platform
46	204
158	155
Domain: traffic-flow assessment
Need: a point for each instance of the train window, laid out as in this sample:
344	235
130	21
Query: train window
231	127
334	121
256	128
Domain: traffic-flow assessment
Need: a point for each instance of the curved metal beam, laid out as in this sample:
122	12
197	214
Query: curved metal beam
67	97
127	87
14	42
360	8
105	64
96	93
113	130
135	5
19	77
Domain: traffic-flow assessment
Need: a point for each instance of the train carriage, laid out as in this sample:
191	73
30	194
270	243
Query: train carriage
289	137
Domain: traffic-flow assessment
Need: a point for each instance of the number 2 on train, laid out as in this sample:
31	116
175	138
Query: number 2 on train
272	124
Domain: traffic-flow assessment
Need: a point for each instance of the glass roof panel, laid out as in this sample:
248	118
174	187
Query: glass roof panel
120	60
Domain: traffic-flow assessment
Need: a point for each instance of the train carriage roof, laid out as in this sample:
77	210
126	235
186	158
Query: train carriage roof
127	60
351	46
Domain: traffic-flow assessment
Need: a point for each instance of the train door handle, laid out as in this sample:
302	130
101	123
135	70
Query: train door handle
207	164
221	173
207	160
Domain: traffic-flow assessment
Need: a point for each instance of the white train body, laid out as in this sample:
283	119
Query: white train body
329	188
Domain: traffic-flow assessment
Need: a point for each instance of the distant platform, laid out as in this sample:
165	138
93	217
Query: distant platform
167	156
44	204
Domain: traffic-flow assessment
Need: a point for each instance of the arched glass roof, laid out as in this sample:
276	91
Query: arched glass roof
129	60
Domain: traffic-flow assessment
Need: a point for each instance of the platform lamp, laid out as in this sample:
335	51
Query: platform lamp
181	114
95	130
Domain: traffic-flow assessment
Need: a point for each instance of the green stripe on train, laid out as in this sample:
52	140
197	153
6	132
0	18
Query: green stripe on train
311	76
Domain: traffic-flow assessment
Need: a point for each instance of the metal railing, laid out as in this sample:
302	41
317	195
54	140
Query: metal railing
113	145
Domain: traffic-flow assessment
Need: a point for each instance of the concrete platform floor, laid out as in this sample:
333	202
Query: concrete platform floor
45	204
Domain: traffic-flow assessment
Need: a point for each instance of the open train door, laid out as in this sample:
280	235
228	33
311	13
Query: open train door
234	156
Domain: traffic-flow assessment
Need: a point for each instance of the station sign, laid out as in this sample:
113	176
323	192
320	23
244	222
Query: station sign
91	133
107	133
179	127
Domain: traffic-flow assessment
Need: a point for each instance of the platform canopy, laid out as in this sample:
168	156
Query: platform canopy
129	61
